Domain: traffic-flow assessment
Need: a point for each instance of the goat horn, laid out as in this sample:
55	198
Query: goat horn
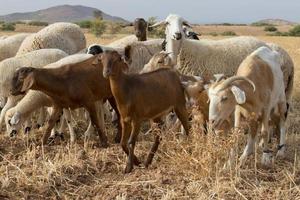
157	24
230	80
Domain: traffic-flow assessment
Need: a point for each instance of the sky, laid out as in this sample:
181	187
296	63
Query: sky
195	11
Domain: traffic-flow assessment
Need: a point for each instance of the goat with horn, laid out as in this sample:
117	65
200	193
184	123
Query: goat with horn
255	92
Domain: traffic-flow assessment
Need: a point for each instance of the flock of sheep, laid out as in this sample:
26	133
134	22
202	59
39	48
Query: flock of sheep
231	81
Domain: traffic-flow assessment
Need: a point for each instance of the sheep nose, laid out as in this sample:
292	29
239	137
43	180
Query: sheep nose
178	36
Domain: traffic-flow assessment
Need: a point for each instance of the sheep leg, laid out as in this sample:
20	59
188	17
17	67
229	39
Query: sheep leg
68	118
183	117
94	119
11	102
41	118
28	125
119	130
51	123
267	152
283	114
152	151
131	145
124	141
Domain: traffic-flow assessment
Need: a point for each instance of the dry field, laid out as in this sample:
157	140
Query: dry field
183	168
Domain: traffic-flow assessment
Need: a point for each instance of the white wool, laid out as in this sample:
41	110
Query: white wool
123	42
72	59
36	59
142	52
10	45
65	36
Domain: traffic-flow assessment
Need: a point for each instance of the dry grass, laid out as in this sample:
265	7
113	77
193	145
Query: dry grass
183	168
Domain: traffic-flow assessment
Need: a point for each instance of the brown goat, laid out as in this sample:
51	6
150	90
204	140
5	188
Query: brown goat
70	86
142	97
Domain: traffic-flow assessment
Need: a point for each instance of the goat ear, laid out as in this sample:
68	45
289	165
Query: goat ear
239	95
15	119
27	83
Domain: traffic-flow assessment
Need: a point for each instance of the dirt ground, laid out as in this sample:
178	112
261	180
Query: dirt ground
183	168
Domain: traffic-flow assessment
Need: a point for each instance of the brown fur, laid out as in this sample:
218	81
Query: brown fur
70	86
142	97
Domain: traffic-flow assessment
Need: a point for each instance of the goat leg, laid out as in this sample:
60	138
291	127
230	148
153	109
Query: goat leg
94	119
131	145
152	151
119	131
51	123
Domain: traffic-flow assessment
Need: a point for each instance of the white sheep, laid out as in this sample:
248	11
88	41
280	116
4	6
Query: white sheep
255	91
38	58
208	57
65	36
10	45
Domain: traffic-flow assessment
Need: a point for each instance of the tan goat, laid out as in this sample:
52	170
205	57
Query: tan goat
142	97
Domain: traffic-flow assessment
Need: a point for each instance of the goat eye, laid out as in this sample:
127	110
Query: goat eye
224	98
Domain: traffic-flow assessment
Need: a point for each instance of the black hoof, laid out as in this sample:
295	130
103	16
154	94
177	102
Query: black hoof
13	133
38	126
27	130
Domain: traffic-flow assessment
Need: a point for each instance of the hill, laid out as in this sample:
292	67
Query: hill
66	13
278	22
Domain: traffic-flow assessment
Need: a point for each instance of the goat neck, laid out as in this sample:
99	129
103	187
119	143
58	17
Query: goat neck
47	81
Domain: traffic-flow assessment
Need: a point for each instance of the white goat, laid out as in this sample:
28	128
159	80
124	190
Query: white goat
256	90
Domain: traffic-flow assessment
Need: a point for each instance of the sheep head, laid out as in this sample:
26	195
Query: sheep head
22	80
113	64
174	26
223	97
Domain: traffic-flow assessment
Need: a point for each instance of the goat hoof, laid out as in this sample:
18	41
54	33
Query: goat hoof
38	126
50	140
267	159
61	135
27	130
104	145
136	161
117	140
13	133
128	169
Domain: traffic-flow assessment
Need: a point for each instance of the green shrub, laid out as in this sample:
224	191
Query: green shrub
213	34
84	24
20	22
8	27
270	29
295	31
98	27
261	24
113	27
228	33
157	32
38	23
2	22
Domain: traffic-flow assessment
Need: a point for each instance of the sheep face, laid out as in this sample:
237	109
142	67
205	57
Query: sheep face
94	49
113	64
140	28
22	80
222	104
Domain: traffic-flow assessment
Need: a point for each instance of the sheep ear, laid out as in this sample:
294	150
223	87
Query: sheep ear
27	83
15	119
185	23
239	95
